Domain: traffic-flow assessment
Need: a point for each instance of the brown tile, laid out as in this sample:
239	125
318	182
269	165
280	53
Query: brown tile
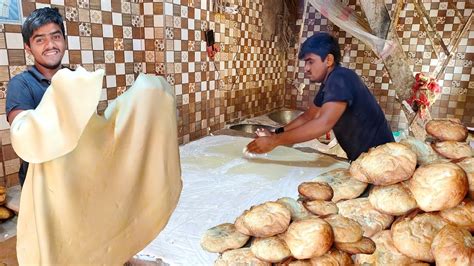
16	57
75	57
96	30
98	57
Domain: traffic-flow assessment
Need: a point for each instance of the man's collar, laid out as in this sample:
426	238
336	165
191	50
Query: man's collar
35	72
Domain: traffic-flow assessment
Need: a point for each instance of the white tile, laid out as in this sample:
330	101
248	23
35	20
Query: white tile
111	81
73	43
3	57
168	9
116	18
97	43
149	33
128	56
103	95
106	5
184	34
148	8
138	45
158	20
14	40
120	69
107	31
65	59
177	45
57	2
87	57
169	56
3	122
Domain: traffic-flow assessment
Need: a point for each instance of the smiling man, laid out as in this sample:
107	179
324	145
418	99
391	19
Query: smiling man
44	38
343	104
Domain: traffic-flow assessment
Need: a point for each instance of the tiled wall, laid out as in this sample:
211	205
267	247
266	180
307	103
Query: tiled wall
247	77
457	99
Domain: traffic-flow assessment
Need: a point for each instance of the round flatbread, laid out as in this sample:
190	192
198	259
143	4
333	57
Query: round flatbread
393	199
271	249
344	186
453	246
315	191
461	215
452	149
264	220
345	229
241	256
223	237
467	164
446	129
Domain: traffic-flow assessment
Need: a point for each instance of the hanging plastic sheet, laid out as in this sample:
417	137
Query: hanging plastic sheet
345	18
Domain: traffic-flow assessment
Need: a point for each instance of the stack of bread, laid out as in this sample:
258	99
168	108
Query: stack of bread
5	213
419	210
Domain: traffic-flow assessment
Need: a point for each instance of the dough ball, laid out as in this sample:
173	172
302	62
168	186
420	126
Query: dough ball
453	246
264	220
461	215
309	238
344	229
363	246
5	213
241	256
447	129
386	164
223	237
361	211
412	235
297	210
315	191
453	149
344	186
393	199
270	249
438	186
321	207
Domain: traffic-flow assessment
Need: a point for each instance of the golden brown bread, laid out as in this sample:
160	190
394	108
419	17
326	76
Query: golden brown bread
453	246
361	211
5	213
309	238
342	183
385	253
452	149
438	186
241	256
315	191
363	246
461	215
467	164
223	237
264	220
297	210
333	257
321	207
270	249
393	199
386	164
446	129
344	229
413	234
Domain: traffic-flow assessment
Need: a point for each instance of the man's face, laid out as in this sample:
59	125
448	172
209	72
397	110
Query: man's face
47	45
315	69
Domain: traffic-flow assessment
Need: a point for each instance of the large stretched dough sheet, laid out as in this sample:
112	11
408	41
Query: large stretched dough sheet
219	184
100	188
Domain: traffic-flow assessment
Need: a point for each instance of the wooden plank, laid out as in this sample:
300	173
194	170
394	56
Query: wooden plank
378	17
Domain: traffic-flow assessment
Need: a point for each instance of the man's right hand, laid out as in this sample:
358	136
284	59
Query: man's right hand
263	132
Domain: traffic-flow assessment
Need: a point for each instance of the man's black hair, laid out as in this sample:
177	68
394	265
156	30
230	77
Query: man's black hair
322	44
38	18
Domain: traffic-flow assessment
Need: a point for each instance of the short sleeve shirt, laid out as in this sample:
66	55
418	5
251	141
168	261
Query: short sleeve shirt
25	92
363	124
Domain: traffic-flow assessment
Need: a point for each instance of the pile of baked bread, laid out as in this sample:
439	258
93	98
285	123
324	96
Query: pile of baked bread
5	213
418	209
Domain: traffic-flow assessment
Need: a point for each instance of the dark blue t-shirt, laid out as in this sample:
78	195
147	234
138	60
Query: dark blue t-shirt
363	124
25	92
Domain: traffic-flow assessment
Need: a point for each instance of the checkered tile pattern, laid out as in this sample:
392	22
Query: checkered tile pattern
457	82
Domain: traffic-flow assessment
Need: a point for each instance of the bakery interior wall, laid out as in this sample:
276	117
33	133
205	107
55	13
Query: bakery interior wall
246	78
457	99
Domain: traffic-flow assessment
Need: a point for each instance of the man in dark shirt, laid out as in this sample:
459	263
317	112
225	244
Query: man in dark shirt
343	104
44	38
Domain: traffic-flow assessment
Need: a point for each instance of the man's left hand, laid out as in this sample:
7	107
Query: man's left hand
261	145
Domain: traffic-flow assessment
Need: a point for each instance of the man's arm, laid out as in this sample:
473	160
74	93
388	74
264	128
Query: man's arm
13	113
323	122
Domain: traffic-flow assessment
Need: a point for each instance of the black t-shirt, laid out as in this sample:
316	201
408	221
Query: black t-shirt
363	124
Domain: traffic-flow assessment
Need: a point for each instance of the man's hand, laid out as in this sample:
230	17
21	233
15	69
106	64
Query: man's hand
263	132
262	145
